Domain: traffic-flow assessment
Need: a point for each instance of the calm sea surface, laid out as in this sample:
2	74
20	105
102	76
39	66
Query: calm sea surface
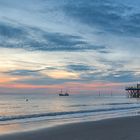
52	109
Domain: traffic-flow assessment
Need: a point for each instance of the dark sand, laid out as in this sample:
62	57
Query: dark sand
111	129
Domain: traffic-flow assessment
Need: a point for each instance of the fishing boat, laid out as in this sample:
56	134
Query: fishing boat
63	94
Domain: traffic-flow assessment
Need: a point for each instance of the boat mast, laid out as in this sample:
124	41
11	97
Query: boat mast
61	91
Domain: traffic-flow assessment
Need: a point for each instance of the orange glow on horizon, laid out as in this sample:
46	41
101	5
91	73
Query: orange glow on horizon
26	86
7	79
62	74
77	86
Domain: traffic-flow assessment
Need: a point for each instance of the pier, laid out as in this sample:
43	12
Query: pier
133	91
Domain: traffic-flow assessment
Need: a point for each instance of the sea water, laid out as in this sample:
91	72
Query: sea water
20	112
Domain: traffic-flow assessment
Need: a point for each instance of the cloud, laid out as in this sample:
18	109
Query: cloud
97	40
123	76
108	16
35	77
110	76
36	39
24	72
9	31
45	80
79	67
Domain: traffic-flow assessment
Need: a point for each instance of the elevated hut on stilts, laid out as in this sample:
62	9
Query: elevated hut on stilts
134	91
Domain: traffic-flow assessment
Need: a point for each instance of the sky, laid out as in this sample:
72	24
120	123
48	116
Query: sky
80	45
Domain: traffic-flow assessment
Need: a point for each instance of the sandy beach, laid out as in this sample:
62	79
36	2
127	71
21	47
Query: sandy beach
112	129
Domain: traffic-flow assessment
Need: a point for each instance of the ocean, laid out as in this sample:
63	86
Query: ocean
24	112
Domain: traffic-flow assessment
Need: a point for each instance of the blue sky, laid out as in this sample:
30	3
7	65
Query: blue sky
52	44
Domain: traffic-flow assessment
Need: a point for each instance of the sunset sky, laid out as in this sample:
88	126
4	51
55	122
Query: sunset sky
80	45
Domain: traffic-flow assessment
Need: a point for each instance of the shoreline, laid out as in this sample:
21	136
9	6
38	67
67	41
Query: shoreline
124	128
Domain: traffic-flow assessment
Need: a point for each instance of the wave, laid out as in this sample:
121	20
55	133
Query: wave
54	114
84	105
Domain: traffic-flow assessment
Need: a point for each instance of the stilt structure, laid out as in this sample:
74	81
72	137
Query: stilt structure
134	91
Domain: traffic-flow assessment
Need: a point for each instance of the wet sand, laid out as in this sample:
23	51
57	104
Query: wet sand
127	128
